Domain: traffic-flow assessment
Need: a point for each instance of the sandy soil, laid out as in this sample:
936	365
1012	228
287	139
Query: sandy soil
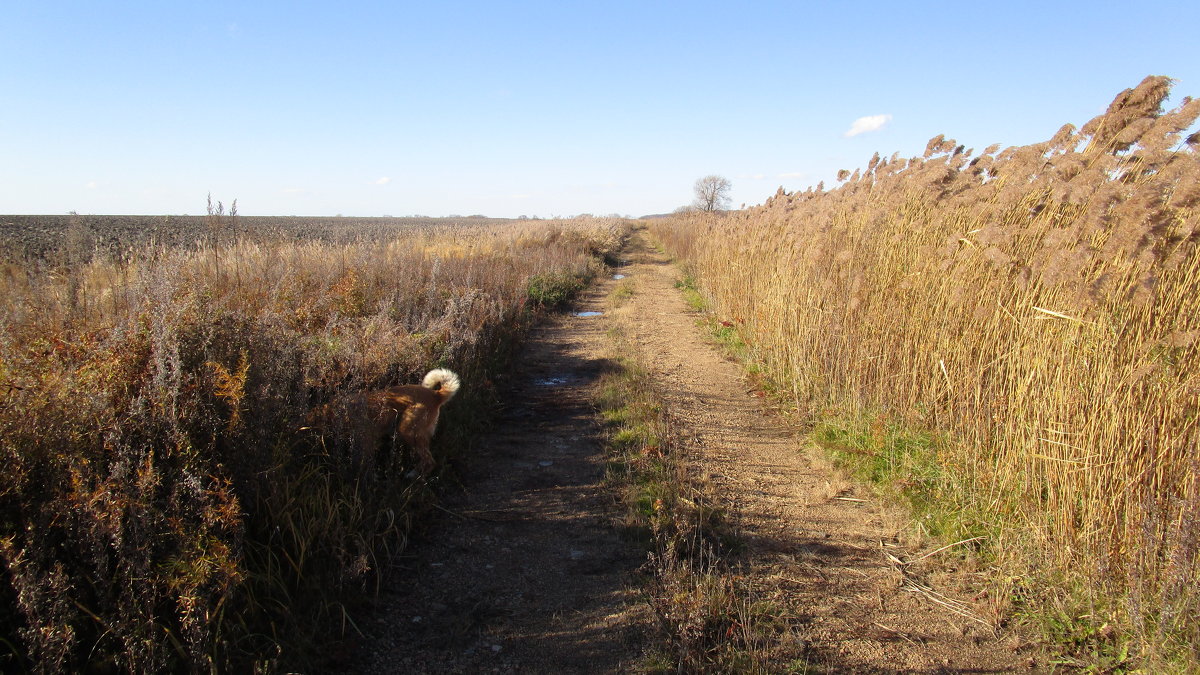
525	571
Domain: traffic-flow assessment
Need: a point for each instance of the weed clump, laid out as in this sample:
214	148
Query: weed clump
554	290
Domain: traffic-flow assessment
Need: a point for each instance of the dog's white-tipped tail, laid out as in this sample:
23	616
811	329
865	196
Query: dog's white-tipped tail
445	381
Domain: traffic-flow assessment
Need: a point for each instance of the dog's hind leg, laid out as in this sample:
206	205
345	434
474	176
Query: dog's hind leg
420	445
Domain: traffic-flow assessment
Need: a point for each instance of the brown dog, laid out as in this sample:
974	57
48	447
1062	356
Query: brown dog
410	411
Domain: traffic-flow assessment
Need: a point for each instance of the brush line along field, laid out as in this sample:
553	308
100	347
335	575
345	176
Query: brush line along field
1009	342
164	506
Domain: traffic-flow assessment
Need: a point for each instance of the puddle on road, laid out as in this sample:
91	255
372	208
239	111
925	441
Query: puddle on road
588	313
552	381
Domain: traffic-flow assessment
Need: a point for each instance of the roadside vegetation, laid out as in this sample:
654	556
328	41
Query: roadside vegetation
1009	343
707	617
165	506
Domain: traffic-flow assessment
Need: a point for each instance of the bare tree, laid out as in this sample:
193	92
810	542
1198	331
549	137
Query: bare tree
712	193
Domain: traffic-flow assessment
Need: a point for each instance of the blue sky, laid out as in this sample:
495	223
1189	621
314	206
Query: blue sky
533	108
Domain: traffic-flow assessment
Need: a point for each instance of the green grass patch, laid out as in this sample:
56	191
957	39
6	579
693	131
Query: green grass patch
637	466
726	333
622	293
1083	632
707	621
730	340
905	464
691	292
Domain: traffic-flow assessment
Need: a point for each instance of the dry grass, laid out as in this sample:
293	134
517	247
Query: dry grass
1038	309
163	506
708	617
703	613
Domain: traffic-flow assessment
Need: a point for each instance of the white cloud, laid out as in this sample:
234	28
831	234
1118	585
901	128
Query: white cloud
91	185
384	180
863	125
292	191
793	174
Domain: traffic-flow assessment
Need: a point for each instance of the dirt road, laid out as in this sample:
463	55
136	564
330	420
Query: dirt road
526	573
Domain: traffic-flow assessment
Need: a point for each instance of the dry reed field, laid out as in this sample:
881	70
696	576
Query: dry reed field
1008	340
164	506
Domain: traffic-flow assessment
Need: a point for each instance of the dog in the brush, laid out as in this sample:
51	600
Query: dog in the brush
410	411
